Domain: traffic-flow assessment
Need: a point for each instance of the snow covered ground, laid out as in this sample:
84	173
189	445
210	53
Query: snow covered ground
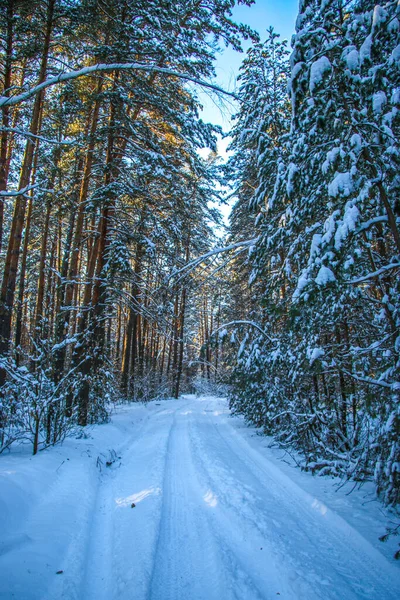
194	506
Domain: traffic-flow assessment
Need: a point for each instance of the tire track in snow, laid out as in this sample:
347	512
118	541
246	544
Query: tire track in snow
89	561
186	562
319	554
255	567
111	570
335	546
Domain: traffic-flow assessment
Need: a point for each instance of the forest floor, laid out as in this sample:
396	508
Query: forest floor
177	500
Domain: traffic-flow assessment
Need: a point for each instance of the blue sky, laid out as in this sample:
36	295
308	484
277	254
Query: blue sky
281	14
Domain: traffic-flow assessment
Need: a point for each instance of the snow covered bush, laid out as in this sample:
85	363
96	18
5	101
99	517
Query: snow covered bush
32	408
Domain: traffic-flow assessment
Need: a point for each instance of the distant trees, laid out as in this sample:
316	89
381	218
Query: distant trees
325	268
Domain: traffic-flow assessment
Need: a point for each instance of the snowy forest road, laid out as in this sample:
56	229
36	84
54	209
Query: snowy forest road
190	511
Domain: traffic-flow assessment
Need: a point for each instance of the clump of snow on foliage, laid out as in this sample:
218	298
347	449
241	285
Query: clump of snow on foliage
331	156
393	25
341	185
348	224
314	353
379	16
315	245
379	100
356	142
318	70
365	50
292	170
325	275
395	56
330	226
351	57
301	284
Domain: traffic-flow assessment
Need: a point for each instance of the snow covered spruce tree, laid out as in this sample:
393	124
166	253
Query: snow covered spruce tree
259	144
343	178
329	245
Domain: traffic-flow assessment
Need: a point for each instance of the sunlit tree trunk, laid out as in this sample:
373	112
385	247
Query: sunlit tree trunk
14	245
4	144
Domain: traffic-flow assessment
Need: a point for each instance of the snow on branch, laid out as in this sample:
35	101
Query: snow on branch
395	386
365	226
197	261
250	323
375	273
104	68
21	192
38	137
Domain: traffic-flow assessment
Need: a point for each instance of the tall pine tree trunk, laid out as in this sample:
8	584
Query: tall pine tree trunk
181	327
4	147
71	262
14	245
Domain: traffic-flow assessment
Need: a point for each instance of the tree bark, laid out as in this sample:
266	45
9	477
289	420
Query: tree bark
14	245
4	148
181	327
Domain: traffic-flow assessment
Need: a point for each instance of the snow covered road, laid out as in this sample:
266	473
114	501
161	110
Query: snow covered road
192	510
